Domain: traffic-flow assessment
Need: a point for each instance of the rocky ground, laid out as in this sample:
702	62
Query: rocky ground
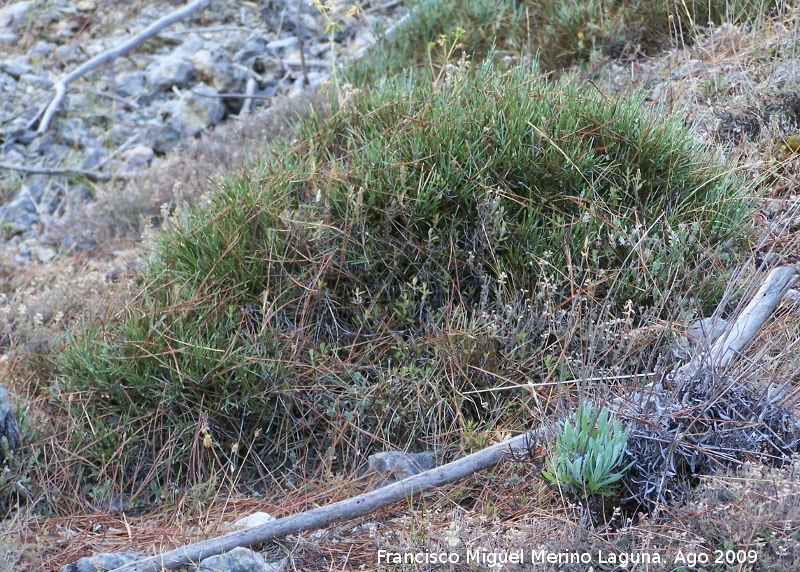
117	120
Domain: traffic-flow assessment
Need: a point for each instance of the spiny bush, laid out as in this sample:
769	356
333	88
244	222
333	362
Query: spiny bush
369	284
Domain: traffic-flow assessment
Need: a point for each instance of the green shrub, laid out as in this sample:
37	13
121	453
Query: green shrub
409	250
590	447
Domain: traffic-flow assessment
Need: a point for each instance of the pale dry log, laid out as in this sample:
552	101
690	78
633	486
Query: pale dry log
741	332
60	86
515	447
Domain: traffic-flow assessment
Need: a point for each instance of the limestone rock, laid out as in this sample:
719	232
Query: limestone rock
164	73
237	560
102	562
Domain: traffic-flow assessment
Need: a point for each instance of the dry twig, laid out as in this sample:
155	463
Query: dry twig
47	112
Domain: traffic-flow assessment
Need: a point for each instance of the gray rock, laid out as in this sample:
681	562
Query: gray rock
189	46
45	254
75	243
94	152
29	196
215	68
34	81
9	432
120	133
65	52
15	68
391	466
27	137
41	145
8	37
14	14
249	521
196	110
101	562
282	44
164	137
130	84
73	130
14	220
138	155
40	49
253	47
169	71
237	560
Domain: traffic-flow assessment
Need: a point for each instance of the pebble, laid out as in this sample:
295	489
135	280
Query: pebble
165	73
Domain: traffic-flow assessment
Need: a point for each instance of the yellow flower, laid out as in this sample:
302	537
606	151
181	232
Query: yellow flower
207	441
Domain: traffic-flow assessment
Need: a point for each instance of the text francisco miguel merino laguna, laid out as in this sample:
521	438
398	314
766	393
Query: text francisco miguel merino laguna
520	556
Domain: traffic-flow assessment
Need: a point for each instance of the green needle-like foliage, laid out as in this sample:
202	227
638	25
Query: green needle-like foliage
361	286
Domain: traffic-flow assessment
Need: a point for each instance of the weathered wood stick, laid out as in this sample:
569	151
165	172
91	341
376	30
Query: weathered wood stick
736	337
516	447
109	55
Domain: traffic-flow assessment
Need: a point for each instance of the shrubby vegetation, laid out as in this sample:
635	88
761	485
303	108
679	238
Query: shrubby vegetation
411	250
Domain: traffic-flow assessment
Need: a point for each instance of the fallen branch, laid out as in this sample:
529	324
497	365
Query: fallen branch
60	87
516	447
741	332
93	176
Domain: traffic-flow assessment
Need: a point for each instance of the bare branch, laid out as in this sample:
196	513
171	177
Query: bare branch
516	448
109	55
93	176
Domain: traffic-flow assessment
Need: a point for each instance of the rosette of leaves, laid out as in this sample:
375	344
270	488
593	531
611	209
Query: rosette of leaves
589	450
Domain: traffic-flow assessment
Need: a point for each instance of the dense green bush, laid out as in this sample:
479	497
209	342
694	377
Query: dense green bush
411	248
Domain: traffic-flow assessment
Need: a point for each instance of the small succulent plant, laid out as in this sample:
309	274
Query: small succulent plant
588	452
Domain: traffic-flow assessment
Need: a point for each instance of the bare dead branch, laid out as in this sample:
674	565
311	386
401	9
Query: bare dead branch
60	86
93	176
741	332
516	448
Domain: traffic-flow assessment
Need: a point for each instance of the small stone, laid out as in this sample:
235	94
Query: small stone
130	84
41	144
27	137
138	155
45	254
86	5
14	14
74	243
391	466
102	562
15	68
40	49
16	220
164	73
38	82
282	44
255	519
65	53
215	68
237	560
689	69
164	137
196	110
120	133
253	47
73	130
